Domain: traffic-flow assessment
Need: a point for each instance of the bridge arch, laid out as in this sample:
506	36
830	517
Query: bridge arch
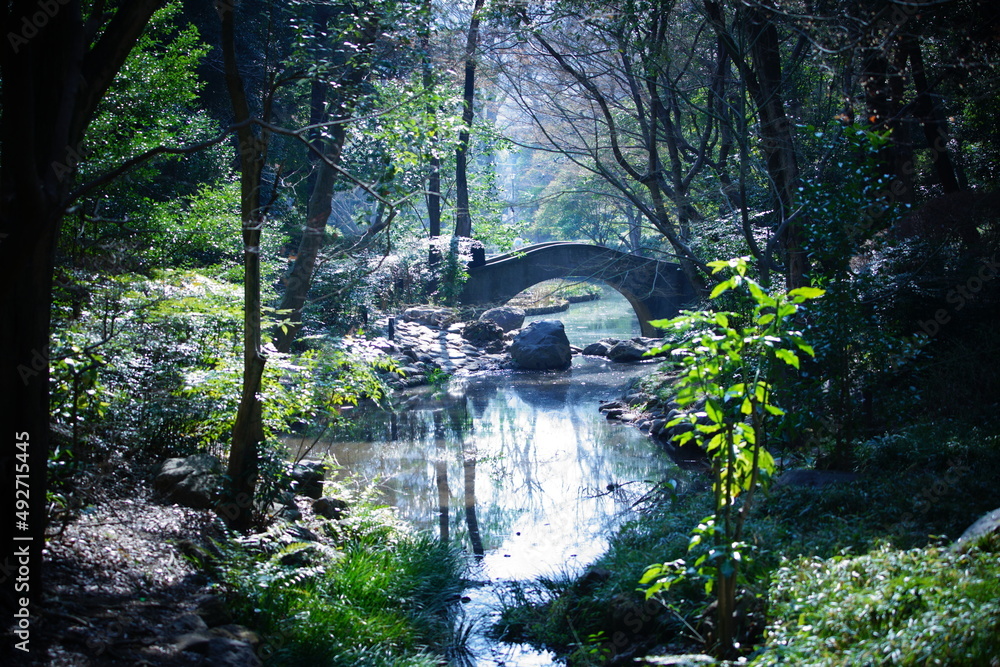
655	289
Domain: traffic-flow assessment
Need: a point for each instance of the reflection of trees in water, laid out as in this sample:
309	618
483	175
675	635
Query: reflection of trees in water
471	519
441	476
538	437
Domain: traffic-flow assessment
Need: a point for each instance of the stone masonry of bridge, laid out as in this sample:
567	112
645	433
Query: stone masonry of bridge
656	289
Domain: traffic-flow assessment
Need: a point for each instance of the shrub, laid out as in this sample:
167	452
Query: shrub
918	607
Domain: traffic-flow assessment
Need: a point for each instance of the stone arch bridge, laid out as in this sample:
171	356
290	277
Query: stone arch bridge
656	289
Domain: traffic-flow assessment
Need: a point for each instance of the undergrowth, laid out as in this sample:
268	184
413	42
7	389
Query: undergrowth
918	607
925	483
363	590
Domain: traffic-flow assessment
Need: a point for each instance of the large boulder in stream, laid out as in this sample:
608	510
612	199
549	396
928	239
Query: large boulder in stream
542	345
507	318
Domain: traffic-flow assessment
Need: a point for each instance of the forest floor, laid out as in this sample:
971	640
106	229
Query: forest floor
118	589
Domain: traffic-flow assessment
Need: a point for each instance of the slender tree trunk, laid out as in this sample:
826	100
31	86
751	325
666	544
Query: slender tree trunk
338	109
248	432
634	230
433	195
463	218
313	236
776	132
932	121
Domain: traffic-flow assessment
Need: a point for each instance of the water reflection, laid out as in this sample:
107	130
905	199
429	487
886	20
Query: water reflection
514	466
611	316
518	468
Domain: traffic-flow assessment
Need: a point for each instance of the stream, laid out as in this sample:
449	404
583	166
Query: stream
518	468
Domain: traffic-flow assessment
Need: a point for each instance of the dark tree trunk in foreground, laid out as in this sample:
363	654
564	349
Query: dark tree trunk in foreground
54	73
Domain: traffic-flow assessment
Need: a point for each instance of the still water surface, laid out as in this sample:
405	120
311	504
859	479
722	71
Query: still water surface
611	316
519	468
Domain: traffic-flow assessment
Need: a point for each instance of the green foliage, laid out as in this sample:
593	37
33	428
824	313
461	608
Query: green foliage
307	387
153	98
155	365
406	127
167	211
850	204
845	208
453	274
76	393
202	230
730	370
129	347
368	593
918	607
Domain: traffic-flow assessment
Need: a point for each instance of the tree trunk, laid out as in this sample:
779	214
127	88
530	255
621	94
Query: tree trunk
24	410
776	133
932	121
463	218
248	432
53	80
323	109
300	278
883	85
433	195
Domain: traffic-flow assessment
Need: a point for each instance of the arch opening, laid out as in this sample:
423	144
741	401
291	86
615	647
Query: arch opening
589	309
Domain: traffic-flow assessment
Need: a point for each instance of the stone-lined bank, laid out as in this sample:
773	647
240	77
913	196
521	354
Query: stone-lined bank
427	340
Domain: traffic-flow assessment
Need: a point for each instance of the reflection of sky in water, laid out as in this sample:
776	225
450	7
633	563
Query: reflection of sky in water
542	458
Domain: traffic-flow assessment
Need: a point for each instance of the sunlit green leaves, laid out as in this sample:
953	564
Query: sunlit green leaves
928	606
729	370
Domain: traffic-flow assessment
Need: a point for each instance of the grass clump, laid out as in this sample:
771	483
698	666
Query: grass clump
360	591
927	606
